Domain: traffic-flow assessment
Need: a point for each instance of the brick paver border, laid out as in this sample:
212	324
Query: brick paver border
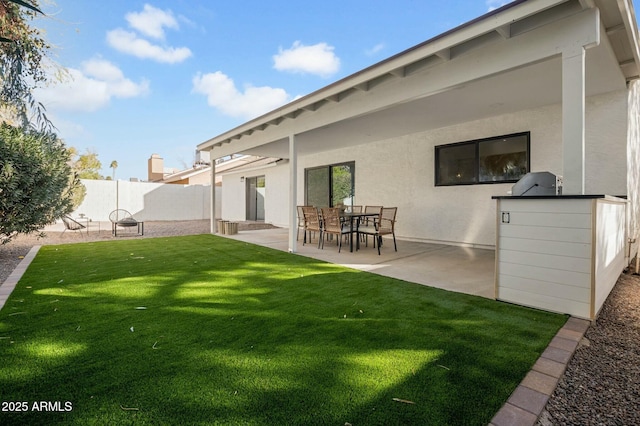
526	403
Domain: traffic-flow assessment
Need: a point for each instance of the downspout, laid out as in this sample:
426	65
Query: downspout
293	193
213	223
633	167
630	240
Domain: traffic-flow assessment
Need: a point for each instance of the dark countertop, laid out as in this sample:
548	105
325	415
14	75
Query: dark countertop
559	197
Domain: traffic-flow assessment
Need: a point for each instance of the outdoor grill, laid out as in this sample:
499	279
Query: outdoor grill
537	183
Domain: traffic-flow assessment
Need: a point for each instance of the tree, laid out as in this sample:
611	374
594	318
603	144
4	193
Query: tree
22	52
37	185
341	183
114	166
87	165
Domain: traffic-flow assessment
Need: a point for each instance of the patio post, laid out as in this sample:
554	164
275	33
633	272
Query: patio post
213	193
573	121
293	193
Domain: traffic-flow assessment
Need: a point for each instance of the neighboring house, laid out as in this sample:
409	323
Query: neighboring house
441	128
200	173
252	202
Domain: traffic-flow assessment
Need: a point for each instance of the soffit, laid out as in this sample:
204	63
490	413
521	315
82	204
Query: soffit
620	25
526	87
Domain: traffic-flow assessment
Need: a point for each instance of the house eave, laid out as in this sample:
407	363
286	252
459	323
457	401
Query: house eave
630	66
437	49
253	168
513	19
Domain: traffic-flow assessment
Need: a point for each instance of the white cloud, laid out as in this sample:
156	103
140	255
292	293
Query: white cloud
318	59
128	42
90	88
222	94
375	49
152	21
495	4
102	70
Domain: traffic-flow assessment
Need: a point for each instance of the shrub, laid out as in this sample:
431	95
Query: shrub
36	182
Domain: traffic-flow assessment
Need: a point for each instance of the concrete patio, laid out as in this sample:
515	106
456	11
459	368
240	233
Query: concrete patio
459	269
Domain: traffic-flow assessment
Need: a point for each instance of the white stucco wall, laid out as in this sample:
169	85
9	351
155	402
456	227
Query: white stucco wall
633	167
606	144
233	197
277	195
146	201
400	171
276	192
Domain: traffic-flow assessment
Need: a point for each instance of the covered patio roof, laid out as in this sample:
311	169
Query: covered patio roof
471	72
527	54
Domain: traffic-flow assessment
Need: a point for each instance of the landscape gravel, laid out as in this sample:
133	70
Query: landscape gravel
601	385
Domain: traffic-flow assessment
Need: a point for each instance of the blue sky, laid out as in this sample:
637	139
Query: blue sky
162	76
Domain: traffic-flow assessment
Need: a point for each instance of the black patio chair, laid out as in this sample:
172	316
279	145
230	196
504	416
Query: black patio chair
72	225
123	219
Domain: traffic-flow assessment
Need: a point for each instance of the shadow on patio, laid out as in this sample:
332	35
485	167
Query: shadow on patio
459	269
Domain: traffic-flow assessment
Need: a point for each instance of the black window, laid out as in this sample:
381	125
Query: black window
499	159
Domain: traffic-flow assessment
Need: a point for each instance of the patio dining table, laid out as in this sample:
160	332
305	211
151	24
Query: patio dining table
352	218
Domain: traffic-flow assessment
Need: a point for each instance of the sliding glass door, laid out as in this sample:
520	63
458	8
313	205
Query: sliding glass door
331	185
317	187
255	198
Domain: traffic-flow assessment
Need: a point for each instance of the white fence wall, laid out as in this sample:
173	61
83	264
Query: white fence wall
147	201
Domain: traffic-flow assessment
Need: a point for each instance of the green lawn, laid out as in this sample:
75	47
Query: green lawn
206	330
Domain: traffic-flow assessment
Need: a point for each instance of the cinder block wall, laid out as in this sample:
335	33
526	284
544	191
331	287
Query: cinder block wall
147	201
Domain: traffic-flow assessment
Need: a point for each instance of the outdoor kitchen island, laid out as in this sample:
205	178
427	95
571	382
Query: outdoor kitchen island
561	253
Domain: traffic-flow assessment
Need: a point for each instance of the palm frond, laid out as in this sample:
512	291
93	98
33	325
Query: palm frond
27	5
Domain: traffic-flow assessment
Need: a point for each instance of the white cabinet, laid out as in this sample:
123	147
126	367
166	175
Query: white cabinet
560	253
